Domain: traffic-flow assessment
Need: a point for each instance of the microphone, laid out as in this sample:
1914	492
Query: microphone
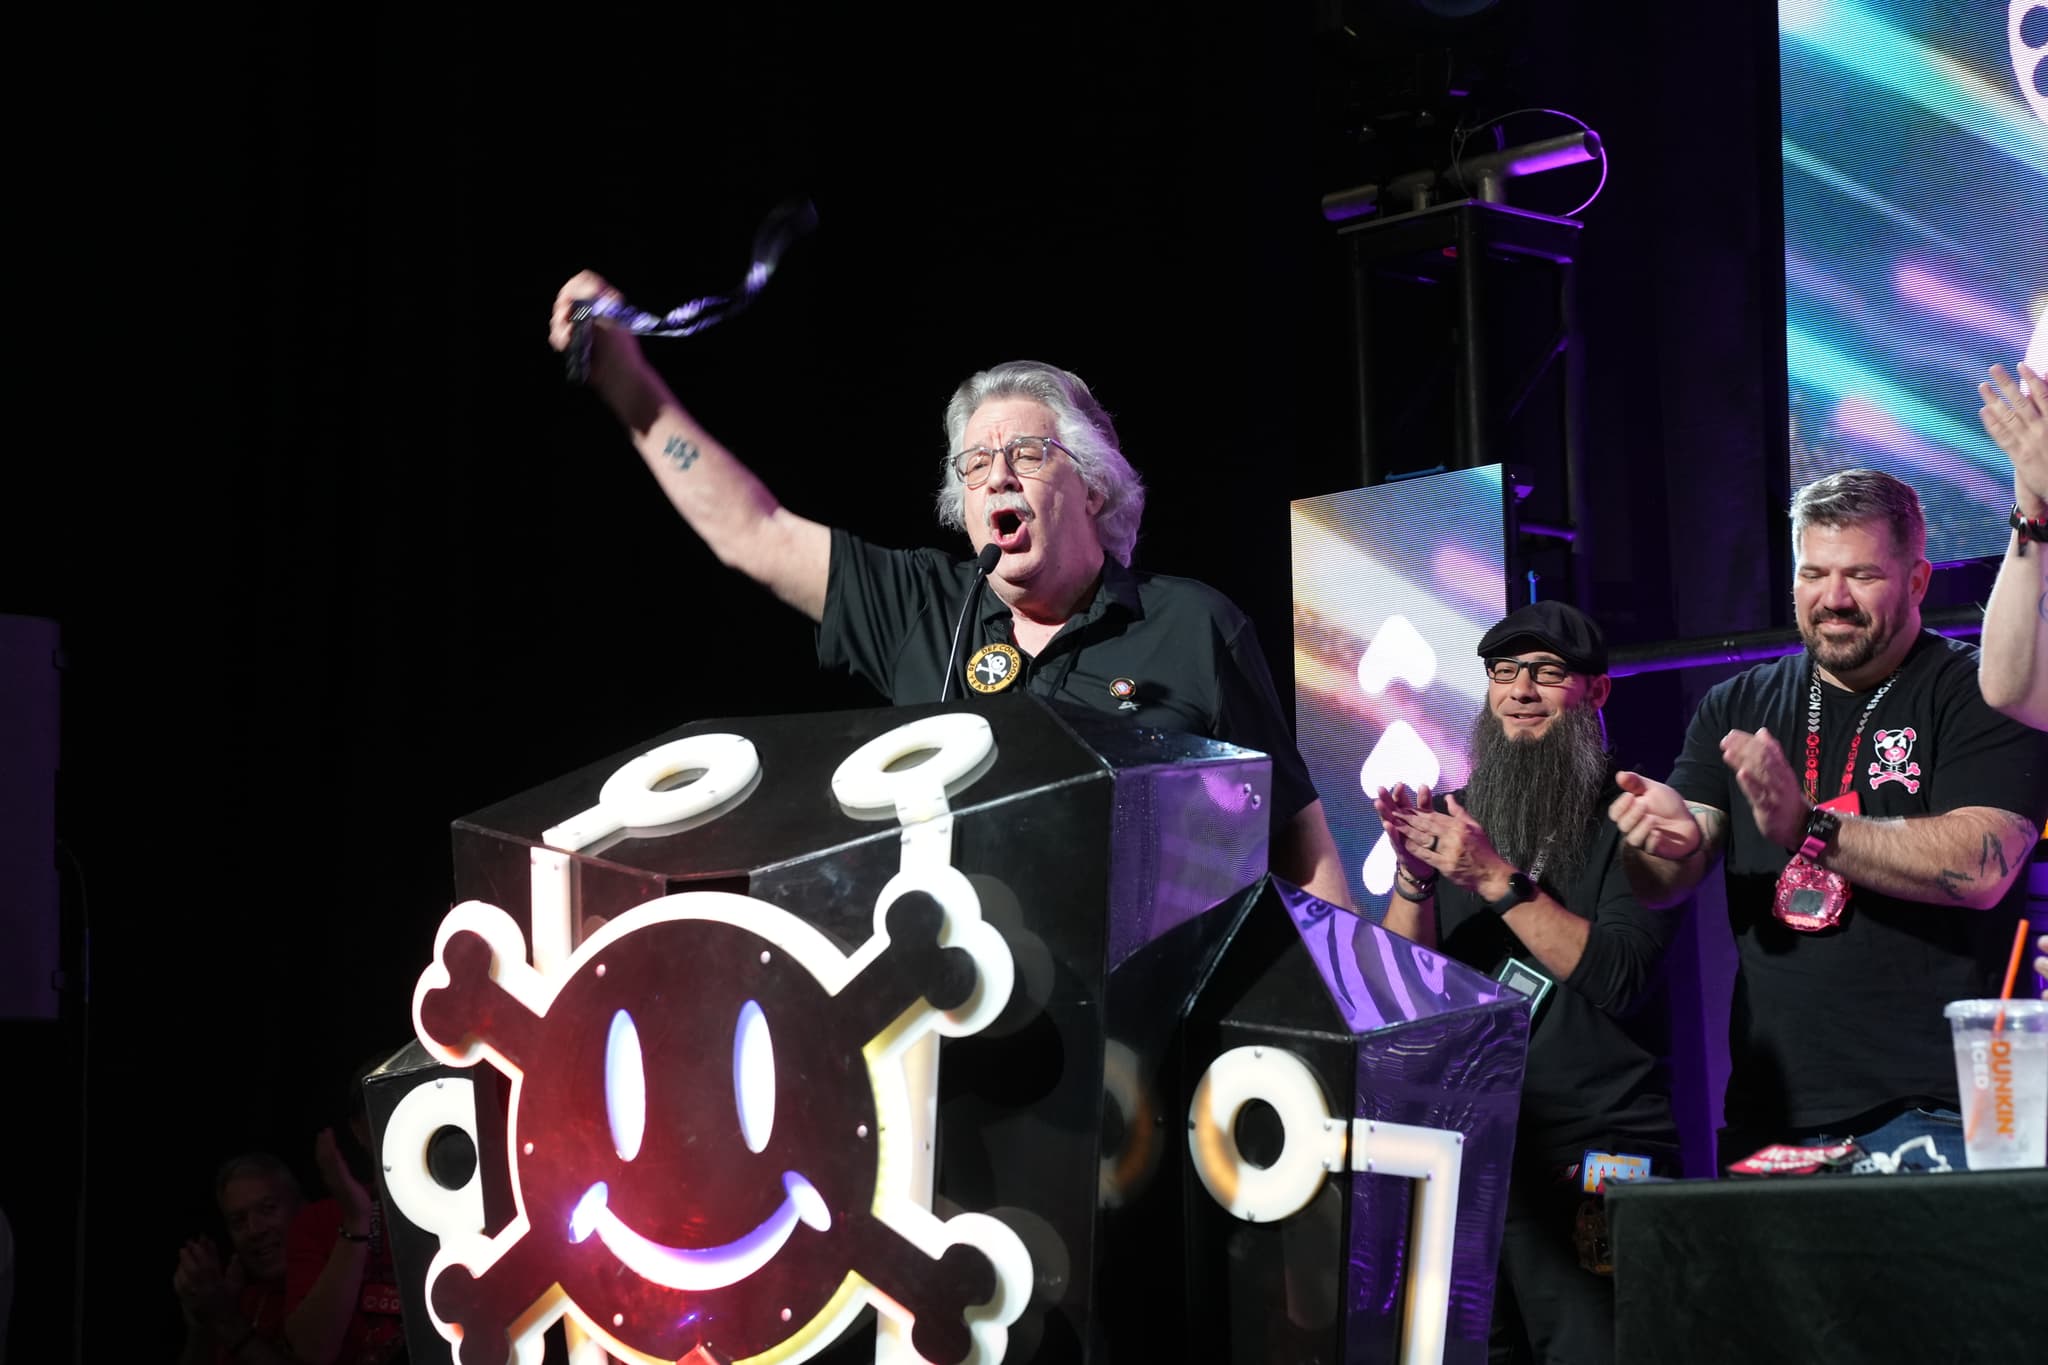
984	564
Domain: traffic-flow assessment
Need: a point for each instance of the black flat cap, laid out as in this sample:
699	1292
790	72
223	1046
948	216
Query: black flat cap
1559	627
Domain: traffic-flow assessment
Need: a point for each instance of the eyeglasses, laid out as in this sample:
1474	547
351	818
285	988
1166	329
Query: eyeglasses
1546	672
1025	455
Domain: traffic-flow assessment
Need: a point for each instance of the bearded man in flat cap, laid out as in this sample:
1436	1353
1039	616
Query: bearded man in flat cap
1520	875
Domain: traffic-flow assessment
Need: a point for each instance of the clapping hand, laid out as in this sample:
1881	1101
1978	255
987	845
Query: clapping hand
2019	423
1766	778
207	1294
1397	806
1653	818
1453	844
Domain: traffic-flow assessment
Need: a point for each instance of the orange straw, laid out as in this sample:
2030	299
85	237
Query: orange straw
2012	971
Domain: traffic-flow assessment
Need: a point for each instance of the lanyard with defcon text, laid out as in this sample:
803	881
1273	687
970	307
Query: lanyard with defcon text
1810	897
1855	741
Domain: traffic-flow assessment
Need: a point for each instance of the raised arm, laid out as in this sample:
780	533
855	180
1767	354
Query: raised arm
318	1323
2013	668
721	499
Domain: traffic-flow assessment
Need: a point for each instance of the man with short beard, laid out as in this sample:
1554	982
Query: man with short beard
1876	815
1520	876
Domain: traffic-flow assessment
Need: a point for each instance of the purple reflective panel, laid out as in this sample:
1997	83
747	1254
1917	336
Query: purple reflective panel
1461	1071
1438	1045
1376	977
1186	838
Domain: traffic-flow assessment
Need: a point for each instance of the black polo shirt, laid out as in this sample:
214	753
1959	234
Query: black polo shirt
1164	652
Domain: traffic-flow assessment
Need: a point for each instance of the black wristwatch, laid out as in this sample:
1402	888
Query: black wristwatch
1821	827
1520	891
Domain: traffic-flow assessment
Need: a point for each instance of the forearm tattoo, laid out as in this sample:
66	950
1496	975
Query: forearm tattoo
1712	821
681	452
1993	852
1954	884
2041	607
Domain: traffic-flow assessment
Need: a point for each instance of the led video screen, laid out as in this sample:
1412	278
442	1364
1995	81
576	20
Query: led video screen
1393	586
1915	142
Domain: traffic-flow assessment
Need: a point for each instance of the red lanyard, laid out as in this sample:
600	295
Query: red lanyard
1855	742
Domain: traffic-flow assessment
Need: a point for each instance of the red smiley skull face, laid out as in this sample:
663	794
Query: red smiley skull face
700	1114
695	1137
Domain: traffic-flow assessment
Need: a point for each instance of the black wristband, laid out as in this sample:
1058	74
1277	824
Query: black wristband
1423	889
2029	528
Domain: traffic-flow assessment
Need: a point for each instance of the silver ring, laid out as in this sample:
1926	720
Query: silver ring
1432	843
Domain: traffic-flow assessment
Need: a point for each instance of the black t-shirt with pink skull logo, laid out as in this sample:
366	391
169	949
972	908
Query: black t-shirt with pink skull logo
1832	1025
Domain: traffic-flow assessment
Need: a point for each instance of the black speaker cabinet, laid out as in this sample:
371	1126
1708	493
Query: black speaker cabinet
424	1138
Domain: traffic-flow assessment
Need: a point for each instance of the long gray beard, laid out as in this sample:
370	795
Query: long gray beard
1539	796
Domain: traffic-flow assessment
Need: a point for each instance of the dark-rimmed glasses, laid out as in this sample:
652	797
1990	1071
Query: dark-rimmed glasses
1546	672
1025	455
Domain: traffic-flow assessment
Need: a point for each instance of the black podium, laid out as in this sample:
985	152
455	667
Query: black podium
1114	862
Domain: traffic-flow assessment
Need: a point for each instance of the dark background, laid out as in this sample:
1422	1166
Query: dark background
338	556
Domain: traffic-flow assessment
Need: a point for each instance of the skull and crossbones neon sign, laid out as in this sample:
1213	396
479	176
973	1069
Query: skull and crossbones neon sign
714	1134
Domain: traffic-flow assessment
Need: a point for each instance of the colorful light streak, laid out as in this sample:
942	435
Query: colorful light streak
1856	40
1814	362
1936	295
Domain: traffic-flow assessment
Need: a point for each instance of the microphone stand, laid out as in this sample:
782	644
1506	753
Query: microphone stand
984	563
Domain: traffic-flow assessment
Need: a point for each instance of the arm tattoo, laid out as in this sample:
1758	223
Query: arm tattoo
1712	821
1993	852
1953	883
681	452
2041	607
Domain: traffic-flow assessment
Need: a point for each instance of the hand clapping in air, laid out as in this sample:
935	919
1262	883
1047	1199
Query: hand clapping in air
2019	423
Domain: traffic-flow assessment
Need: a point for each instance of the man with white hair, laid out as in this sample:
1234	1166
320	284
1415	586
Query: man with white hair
1036	480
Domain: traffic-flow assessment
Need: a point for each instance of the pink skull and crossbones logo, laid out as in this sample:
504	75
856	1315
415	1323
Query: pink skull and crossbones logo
1894	759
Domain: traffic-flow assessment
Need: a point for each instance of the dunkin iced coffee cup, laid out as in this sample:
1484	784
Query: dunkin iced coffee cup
2002	1072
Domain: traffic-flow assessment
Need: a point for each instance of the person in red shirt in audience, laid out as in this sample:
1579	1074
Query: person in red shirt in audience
234	1314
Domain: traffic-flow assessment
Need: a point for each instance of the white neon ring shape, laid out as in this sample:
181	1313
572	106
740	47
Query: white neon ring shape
729	762
1312	1145
961	738
447	1102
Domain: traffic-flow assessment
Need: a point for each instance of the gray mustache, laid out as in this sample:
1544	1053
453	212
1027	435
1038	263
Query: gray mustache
1004	502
